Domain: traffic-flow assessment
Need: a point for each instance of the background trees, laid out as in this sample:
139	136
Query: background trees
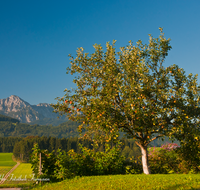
135	94
22	147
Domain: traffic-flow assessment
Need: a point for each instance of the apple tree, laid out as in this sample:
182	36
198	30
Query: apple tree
131	91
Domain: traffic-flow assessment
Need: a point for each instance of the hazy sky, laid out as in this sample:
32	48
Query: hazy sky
37	36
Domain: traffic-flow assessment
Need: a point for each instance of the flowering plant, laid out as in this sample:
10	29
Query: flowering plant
164	160
169	146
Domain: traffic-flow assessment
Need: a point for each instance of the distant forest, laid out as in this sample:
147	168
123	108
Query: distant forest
22	147
19	138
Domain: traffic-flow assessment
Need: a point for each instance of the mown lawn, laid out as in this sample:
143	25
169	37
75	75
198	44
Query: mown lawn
128	182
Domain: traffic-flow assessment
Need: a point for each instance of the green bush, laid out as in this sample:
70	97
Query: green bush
134	168
165	160
189	157
48	161
61	165
64	166
171	159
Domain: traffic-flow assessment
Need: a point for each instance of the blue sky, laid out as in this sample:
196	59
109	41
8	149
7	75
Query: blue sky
37	36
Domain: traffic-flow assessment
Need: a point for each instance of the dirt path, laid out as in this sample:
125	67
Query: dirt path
7	175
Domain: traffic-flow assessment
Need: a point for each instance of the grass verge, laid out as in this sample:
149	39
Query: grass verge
127	182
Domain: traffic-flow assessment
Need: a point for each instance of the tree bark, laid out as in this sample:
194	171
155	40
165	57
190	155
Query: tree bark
145	163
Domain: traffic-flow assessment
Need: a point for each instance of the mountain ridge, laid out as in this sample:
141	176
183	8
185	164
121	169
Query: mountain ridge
16	107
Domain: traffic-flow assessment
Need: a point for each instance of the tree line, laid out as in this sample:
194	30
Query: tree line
7	143
23	147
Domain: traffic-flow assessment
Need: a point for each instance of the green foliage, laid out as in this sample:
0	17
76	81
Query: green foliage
64	166
60	166
164	160
190	152
34	160
47	161
110	161
23	148
134	169
48	165
7	143
170	159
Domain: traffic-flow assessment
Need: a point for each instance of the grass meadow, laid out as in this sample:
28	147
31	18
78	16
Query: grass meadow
6	159
22	173
4	170
18	176
21	176
128	182
6	163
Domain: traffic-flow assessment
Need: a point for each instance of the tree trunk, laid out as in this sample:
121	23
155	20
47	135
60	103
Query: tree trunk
145	163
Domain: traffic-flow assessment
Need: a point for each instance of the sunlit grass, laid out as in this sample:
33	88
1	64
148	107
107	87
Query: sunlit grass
22	174
6	159
151	149
6	163
18	176
23	171
4	170
116	182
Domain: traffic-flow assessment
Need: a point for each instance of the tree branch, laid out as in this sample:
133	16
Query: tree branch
154	138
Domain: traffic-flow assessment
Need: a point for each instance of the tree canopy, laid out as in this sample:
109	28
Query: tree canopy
134	94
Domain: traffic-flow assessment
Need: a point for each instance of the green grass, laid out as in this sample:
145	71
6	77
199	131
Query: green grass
6	163
21	175
153	148
23	170
128	182
6	159
4	170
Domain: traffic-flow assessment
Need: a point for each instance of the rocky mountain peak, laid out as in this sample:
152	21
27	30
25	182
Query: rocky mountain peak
12	103
17	108
44	104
